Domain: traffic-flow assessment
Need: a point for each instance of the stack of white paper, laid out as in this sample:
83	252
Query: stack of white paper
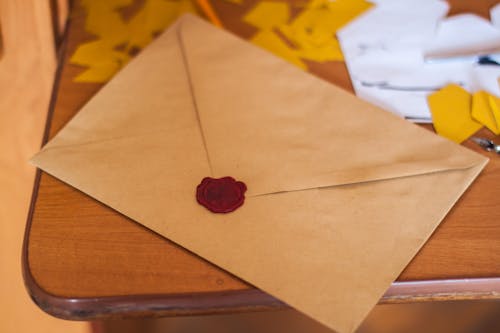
387	51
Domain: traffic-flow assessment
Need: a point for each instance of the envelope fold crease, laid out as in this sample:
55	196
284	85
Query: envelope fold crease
198	102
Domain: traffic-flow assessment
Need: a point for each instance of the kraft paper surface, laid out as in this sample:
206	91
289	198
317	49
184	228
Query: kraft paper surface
341	194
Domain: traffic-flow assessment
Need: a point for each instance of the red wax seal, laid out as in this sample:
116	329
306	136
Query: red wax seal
221	195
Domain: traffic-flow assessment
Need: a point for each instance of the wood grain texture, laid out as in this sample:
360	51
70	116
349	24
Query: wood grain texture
81	255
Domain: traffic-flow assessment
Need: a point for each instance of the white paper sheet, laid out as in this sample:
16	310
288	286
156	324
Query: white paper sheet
486	78
384	51
463	34
495	16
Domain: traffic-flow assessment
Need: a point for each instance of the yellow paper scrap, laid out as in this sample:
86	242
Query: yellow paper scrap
451	113
270	41
494	103
328	16
315	47
311	35
100	58
98	73
268	14
117	40
154	17
345	10
314	29
104	21
483	111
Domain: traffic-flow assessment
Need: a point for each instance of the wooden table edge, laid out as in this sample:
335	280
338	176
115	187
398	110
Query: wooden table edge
157	305
93	308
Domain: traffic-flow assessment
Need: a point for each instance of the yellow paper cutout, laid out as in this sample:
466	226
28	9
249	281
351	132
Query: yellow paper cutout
494	103
104	21
314	29
483	105
154	17
98	73
237	2
117	40
345	10
313	48
451	113
268	14
271	42
102	60
311	35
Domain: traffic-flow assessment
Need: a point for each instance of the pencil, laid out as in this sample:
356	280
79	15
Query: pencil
208	10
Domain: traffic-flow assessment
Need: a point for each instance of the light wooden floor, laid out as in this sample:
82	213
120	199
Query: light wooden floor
26	73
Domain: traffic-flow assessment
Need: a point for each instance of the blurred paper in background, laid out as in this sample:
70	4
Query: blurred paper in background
385	53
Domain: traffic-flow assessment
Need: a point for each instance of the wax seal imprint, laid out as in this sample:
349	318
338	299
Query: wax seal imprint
221	195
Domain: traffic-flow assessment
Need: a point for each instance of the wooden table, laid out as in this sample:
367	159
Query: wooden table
82	260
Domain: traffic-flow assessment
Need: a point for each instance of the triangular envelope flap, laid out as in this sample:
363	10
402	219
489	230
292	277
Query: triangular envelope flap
142	125
152	91
280	129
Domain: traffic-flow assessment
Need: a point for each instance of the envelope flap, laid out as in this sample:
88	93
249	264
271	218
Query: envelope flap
281	129
150	97
138	127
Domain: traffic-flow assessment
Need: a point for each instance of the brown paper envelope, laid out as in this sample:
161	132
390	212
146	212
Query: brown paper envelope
341	194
